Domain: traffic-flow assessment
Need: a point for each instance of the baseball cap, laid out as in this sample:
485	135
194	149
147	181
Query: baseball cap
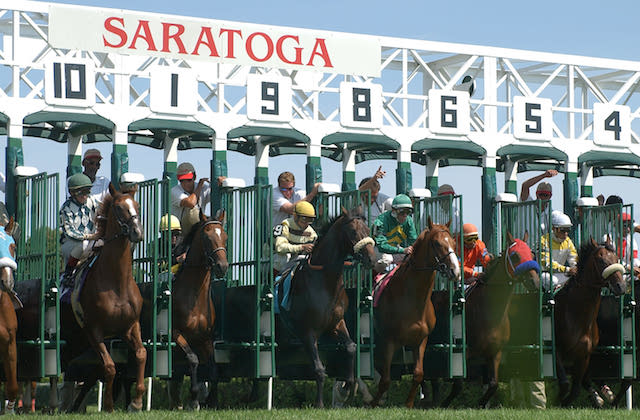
446	189
92	153
185	171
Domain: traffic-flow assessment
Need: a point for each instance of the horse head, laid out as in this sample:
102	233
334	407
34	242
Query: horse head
355	232
214	243
7	255
436	247
519	262
126	210
604	261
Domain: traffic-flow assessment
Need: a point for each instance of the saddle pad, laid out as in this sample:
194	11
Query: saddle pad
74	296
381	282
282	293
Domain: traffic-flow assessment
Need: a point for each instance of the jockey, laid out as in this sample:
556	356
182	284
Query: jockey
563	252
474	251
394	233
77	223
294	236
170	223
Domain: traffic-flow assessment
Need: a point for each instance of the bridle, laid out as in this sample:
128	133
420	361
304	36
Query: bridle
440	265
209	251
124	225
356	248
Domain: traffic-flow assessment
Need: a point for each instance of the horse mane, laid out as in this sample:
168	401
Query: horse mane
188	239
324	229
101	215
586	249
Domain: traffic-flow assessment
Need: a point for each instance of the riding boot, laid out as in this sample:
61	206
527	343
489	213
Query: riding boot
67	277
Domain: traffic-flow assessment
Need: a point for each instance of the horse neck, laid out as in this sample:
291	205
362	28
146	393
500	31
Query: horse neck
116	254
499	289
330	252
586	296
195	275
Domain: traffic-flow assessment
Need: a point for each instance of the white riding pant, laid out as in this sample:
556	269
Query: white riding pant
77	249
383	261
549	283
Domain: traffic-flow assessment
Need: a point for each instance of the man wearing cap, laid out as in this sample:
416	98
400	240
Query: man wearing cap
287	195
100	184
475	251
454	213
379	202
544	190
187	199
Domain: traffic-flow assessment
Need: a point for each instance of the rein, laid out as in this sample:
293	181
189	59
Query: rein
209	251
124	226
440	266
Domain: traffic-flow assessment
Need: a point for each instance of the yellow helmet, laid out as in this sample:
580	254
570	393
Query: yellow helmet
169	222
304	208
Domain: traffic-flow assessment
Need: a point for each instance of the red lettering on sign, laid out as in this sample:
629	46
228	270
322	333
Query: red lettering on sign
298	50
231	33
166	36
206	38
143	32
108	25
249	46
322	53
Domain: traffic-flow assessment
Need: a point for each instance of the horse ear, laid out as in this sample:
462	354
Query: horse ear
344	211
429	223
510	238
220	216
448	224
608	241
203	218
10	226
112	189
595	244
525	237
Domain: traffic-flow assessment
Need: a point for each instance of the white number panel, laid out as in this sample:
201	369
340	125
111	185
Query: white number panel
173	91
449	112
361	105
611	124
269	98
532	118
69	82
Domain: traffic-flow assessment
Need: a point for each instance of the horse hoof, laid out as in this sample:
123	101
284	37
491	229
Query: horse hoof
597	400
194	406
134	407
607	394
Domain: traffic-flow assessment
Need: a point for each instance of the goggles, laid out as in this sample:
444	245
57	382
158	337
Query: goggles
470	239
404	212
307	219
564	229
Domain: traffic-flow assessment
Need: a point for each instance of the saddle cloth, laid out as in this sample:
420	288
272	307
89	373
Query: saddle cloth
381	281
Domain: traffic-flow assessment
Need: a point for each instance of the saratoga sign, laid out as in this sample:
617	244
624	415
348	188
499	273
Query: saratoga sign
150	34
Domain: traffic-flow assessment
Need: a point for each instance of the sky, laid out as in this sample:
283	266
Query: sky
587	27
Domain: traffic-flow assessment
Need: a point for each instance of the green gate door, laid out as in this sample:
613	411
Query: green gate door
530	353
38	257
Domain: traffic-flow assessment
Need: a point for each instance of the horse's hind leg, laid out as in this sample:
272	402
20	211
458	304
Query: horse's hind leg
193	361
383	366
456	388
96	341
492	371
596	399
626	383
10	358
311	344
350	346
212	375
418	372
134	338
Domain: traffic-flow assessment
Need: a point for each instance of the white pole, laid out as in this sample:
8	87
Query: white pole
270	393
100	395
149	394
629	398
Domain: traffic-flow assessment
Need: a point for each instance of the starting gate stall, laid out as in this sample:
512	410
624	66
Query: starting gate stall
615	356
151	270
358	286
530	353
445	355
244	333
39	266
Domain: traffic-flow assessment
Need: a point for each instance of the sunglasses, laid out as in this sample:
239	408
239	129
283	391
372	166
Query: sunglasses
186	179
92	162
544	195
286	189
470	239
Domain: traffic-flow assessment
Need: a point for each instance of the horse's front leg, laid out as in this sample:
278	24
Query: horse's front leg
563	381
96	340
418	372
579	369
311	345
192	359
350	346
134	338
383	366
492	384
596	399
212	375
10	358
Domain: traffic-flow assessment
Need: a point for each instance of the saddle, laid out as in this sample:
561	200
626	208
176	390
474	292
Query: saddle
71	294
283	285
381	281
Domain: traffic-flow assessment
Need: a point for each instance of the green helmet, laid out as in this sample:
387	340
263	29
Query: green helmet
78	181
402	201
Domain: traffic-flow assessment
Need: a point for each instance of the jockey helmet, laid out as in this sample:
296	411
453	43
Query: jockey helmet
78	181
304	208
169	222
402	201
470	229
559	219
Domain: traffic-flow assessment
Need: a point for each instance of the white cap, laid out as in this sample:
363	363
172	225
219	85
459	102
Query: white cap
559	219
131	178
419	193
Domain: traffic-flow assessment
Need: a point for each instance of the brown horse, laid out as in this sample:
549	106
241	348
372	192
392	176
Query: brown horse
110	298
405	315
576	312
8	320
318	298
487	310
193	311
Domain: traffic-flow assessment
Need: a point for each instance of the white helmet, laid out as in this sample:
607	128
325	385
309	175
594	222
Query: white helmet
559	219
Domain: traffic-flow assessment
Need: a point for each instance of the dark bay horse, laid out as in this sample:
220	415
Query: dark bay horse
318	298
8	320
405	315
487	311
193	311
576	311
110	299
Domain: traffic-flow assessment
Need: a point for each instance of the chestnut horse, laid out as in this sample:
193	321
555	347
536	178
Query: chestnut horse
8	320
405	315
576	312
193	311
317	296
110	299
487	310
